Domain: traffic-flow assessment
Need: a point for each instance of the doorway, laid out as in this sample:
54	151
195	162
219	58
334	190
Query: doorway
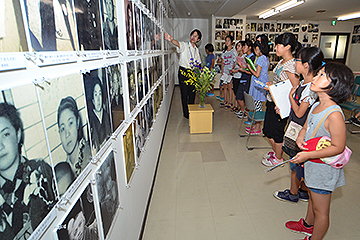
334	46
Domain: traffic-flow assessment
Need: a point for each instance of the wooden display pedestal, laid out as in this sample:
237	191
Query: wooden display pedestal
200	119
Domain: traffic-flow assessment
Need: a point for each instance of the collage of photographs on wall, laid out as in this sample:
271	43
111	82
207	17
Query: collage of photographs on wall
356	35
307	34
51	134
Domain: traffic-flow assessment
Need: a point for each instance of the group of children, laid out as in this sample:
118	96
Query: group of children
321	88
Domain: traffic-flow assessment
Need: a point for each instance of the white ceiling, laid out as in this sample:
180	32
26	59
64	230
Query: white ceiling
252	8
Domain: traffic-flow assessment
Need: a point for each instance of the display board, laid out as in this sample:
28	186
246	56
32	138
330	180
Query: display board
82	88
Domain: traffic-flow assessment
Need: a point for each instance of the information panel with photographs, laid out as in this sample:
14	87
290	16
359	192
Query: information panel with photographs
355	39
224	27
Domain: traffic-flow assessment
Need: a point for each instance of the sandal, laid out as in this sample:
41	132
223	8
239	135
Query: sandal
223	104
234	109
229	106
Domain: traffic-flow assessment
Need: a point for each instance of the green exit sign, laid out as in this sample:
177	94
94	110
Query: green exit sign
333	22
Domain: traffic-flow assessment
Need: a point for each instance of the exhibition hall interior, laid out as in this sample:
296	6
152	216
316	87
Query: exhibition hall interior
105	146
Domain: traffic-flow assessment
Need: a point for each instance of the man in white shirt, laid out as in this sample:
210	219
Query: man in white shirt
187	51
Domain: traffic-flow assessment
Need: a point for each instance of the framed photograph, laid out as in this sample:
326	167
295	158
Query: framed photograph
149	112
139	80
226	23
260	27
158	95
224	34
129	23
253	27
232	34
150	72
51	25
157	37
97	103
110	26
116	95
266	27
272	27
81	221
314	38
28	197
304	27
129	156
232	23
218	23
146	76
66	122
353	39
88	24
138	29
296	28
356	29
278	27
108	192
131	84
248	27
217	35
239	24
139	132
12	32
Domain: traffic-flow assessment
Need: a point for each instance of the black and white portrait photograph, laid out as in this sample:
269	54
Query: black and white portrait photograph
130	29
52	25
12	32
226	23
81	222
129	155
239	24
131	84
149	111
356	29
157	97
266	27
159	65
353	39
260	27
148	32
296	27
278	27
27	187
110	26
146	76
138	29
157	37
139	80
272	27
218	23
217	35
63	105
88	24
139	133
116	96
97	103
108	193
218	46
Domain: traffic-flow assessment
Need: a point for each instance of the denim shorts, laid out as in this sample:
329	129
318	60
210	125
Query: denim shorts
320	191
221	83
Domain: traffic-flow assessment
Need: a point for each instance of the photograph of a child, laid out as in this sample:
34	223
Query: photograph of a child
12	31
51	25
108	193
27	187
97	103
88	24
63	105
131	84
129	156
110	26
81	222
116	94
129	20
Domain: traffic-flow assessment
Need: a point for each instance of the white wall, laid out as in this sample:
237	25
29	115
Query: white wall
183	27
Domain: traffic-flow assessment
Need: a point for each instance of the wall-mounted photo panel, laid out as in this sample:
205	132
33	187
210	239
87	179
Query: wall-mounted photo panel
132	84
97	103
139	80
51	25
27	192
110	25
88	24
116	94
129	21
108	193
138	28
81	222
12	32
146	76
139	133
63	106
129	155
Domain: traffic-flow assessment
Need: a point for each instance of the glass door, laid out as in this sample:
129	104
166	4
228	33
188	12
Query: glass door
334	46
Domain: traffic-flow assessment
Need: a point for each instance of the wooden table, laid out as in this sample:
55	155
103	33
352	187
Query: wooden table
200	119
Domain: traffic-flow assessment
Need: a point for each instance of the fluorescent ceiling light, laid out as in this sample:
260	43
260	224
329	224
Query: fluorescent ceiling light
281	8
350	16
268	13
288	5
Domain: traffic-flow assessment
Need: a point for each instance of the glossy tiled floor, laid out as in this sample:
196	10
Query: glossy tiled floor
198	195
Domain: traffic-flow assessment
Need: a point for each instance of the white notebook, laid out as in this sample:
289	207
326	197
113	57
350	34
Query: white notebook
280	94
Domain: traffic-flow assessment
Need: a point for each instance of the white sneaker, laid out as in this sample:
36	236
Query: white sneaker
267	155
271	161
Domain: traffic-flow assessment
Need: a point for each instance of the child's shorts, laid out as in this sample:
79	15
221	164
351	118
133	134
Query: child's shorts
258	106
320	191
298	169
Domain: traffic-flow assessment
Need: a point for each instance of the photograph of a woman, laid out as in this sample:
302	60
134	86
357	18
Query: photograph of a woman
116	94
132	84
98	107
27	187
129	19
110	26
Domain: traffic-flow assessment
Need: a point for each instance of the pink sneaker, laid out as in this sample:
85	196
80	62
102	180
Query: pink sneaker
298	226
253	132
271	161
